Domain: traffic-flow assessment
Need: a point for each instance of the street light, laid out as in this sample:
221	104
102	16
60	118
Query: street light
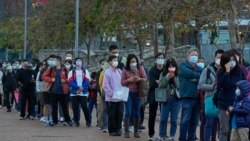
77	29
25	30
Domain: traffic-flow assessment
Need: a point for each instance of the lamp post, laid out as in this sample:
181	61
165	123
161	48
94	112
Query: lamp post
25	30
77	29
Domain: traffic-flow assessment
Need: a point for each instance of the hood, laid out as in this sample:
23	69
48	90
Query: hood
244	87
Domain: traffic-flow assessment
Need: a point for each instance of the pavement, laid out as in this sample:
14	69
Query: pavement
13	129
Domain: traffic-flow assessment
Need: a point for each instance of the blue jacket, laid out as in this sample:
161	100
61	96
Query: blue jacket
73	83
241	111
226	84
188	77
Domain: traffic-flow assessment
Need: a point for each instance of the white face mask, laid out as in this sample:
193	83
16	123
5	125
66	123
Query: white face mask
232	64
68	66
68	58
117	54
217	61
114	63
237	92
172	69
160	61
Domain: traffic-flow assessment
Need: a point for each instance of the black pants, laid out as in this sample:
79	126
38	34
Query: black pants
152	116
76	102
63	101
115	116
142	110
7	94
27	96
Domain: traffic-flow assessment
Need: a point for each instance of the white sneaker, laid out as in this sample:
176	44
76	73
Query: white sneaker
131	129
150	139
61	119
1	106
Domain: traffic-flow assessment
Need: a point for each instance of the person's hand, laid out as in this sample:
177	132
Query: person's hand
230	108
81	88
228	67
131	79
170	75
78	92
227	113
137	79
53	79
63	81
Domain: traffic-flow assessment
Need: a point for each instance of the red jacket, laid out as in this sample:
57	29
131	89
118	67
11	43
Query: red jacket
50	73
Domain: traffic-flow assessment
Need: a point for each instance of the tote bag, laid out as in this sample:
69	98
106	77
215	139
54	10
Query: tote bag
121	93
210	108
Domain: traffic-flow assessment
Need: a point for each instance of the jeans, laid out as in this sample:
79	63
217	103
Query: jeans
134	104
210	128
171	106
27	96
92	103
224	120
115	114
152	116
76	102
189	119
239	134
63	101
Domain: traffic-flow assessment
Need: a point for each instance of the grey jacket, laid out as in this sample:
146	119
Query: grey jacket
207	84
163	81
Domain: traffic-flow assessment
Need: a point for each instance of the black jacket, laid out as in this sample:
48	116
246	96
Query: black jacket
9	81
154	74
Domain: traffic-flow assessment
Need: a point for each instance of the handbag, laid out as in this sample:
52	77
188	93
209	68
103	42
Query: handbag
121	93
142	88
162	94
45	87
210	109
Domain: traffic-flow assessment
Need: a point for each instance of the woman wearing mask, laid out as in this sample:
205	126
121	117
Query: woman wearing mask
154	75
169	80
9	84
68	65
229	74
209	124
131	76
112	82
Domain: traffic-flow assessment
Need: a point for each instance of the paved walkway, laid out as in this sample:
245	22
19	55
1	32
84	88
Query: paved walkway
12	129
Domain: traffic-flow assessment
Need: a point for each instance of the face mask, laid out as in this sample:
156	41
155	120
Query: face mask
232	64
237	92
201	65
14	67
68	66
117	54
78	63
133	66
4	65
217	61
160	61
53	63
68	58
115	63
193	59
172	69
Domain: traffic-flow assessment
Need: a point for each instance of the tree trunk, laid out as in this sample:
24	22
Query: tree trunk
155	31
231	27
141	48
171	39
197	38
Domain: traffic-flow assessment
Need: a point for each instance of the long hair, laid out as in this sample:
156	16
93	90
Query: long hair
225	58
129	58
170	62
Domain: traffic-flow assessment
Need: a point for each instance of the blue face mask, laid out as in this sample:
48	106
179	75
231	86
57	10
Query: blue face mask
232	64
193	59
201	65
237	92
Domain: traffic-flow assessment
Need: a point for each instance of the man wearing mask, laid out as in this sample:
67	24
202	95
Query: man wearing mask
189	75
79	79
207	84
68	56
154	75
113	50
26	81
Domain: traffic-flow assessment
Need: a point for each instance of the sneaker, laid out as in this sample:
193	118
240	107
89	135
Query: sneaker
1	106
22	118
142	127
77	124
131	129
31	117
105	130
112	134
88	124
8	110
69	123
52	124
101	128
42	119
171	139
61	119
